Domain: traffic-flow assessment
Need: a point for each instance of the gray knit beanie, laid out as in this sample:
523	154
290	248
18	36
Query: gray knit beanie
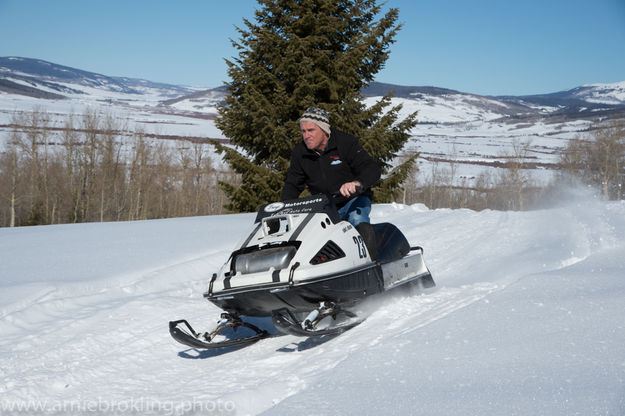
319	116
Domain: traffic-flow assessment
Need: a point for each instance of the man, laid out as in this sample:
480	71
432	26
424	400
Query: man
332	162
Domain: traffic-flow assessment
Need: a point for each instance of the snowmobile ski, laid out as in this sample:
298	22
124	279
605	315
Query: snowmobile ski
184	333
285	321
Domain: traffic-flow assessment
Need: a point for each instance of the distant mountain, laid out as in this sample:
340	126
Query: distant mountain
587	98
42	79
11	87
202	101
602	93
377	89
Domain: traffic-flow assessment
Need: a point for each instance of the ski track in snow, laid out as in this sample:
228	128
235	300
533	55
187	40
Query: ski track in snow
108	339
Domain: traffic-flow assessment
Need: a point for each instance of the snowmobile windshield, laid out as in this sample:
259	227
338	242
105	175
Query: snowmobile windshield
311	204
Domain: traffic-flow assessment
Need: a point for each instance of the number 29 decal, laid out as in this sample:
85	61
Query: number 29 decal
360	243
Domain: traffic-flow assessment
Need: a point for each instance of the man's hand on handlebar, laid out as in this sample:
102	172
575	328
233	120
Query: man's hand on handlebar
350	188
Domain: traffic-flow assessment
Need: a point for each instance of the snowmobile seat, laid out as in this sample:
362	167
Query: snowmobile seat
391	244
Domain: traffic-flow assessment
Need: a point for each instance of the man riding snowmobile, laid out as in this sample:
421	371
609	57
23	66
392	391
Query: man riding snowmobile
305	263
331	162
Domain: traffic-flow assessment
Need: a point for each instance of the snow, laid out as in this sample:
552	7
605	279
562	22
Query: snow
141	116
526	319
451	108
453	130
604	93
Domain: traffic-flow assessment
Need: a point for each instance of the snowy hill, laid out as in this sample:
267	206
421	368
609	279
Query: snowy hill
27	85
50	78
526	320
468	107
578	101
67	82
204	101
602	93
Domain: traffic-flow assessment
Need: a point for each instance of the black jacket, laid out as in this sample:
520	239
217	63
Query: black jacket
343	160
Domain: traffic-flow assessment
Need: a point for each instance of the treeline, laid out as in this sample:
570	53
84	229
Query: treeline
91	170
596	160
512	187
599	161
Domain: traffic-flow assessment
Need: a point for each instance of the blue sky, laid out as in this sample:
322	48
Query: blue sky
489	47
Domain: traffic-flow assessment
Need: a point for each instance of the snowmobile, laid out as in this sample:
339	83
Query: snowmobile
300	265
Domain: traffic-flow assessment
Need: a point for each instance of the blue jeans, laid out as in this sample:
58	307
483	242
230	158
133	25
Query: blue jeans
356	210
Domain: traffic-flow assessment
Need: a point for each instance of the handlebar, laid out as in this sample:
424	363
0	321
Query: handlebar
339	198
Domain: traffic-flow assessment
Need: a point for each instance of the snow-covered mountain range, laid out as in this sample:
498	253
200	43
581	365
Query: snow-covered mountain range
472	131
40	79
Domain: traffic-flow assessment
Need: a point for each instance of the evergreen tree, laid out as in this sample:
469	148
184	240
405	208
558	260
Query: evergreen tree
300	53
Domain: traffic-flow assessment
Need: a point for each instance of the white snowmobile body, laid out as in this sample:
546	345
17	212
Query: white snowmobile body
300	254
